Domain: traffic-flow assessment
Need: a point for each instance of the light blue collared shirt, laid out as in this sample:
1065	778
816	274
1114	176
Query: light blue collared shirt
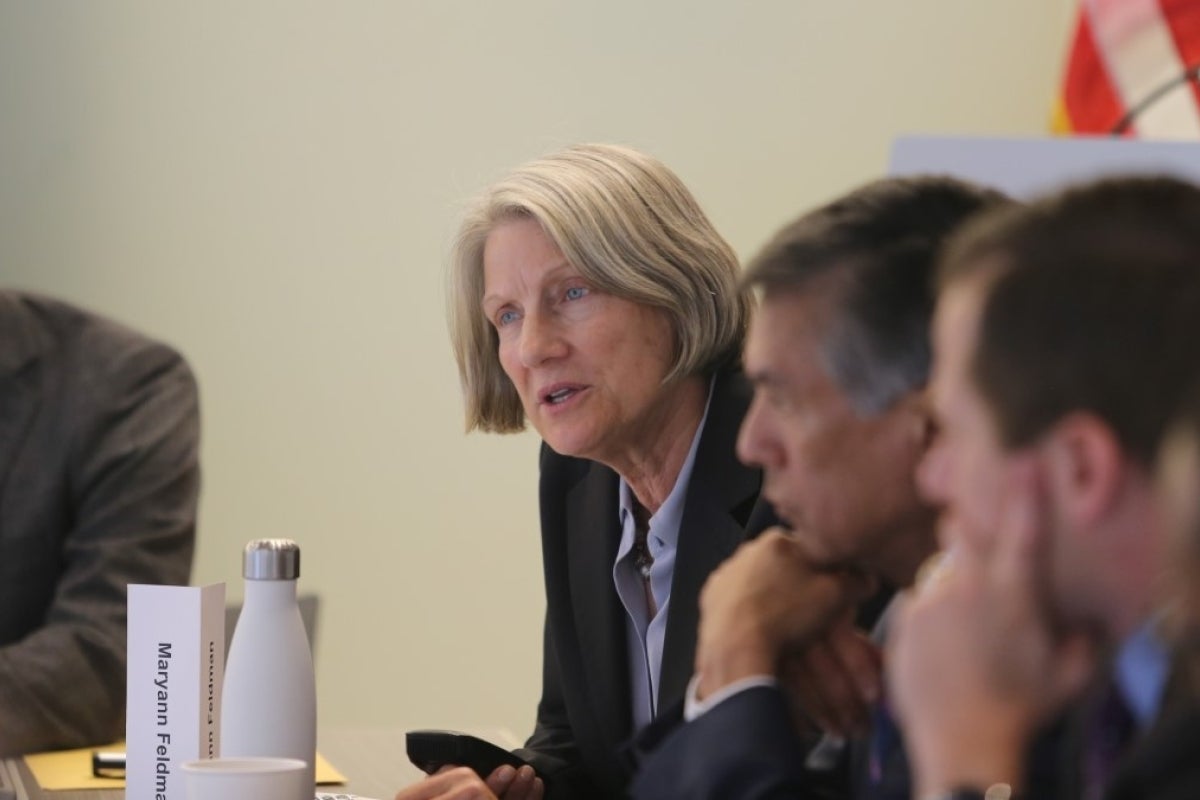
1141	670
645	635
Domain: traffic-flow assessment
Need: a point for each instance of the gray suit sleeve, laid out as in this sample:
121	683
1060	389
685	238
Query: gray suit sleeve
130	431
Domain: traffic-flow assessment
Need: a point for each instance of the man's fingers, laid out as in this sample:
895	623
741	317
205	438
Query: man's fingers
1023	529
803	693
861	660
808	695
839	695
896	648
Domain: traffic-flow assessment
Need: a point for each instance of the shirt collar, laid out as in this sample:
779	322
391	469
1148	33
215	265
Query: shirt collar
1141	670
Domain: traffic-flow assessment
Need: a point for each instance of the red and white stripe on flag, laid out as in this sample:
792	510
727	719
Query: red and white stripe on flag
1132	69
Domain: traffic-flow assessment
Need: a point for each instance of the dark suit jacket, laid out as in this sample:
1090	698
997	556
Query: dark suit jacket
1155	765
98	485
746	748
584	716
749	748
1165	765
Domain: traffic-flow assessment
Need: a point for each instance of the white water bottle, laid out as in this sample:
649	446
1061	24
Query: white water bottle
269	698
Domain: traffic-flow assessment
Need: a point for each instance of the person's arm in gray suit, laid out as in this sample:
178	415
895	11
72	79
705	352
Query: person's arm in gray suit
118	425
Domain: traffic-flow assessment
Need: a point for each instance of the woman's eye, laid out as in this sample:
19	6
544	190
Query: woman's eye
505	317
575	292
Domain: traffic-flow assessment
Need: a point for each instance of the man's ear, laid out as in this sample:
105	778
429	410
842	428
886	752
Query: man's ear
1085	467
918	407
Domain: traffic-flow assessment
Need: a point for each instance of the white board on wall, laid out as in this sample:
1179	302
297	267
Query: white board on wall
1024	167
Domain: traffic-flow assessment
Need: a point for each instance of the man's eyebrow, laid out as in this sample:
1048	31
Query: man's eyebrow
763	377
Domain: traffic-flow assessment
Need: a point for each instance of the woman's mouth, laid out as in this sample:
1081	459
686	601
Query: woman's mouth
559	394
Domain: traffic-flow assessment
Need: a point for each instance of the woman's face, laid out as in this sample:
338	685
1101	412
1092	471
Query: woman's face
588	366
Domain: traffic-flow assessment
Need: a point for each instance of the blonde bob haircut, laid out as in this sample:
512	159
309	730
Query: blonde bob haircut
633	230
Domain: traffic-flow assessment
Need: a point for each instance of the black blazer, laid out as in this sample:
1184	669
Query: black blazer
584	716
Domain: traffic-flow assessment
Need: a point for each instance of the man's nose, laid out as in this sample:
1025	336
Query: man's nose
754	443
932	473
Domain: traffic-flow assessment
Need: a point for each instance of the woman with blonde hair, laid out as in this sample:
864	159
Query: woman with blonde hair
592	299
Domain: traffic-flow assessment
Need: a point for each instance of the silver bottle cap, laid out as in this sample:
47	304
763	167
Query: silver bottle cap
271	560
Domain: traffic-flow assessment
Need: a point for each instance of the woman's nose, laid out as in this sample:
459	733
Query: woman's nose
541	340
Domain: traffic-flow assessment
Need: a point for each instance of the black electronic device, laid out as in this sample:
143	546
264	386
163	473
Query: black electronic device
108	764
432	750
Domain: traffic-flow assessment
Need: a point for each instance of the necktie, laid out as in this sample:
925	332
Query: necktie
1108	734
886	776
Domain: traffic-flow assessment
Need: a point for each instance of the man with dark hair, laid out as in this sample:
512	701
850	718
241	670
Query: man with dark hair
99	475
839	354
1065	338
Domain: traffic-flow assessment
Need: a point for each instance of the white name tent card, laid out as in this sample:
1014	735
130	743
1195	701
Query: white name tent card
176	655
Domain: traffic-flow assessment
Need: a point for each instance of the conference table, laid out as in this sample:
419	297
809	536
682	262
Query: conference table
372	759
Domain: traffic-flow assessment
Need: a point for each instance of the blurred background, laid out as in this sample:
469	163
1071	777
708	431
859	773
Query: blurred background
272	188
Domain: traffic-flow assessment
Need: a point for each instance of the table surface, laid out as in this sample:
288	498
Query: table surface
372	759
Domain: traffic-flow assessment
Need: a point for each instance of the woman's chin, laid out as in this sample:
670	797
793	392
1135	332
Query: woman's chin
570	443
569	449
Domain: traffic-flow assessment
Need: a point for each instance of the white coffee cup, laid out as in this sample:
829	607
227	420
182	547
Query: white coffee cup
245	779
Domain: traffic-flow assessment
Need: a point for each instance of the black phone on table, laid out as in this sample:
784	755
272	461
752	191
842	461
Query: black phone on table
431	750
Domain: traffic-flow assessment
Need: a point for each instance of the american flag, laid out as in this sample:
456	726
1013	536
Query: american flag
1133	70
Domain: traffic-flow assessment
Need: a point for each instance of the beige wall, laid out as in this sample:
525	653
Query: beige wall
272	186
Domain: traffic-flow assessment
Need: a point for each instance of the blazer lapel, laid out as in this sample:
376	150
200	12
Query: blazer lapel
721	495
599	618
